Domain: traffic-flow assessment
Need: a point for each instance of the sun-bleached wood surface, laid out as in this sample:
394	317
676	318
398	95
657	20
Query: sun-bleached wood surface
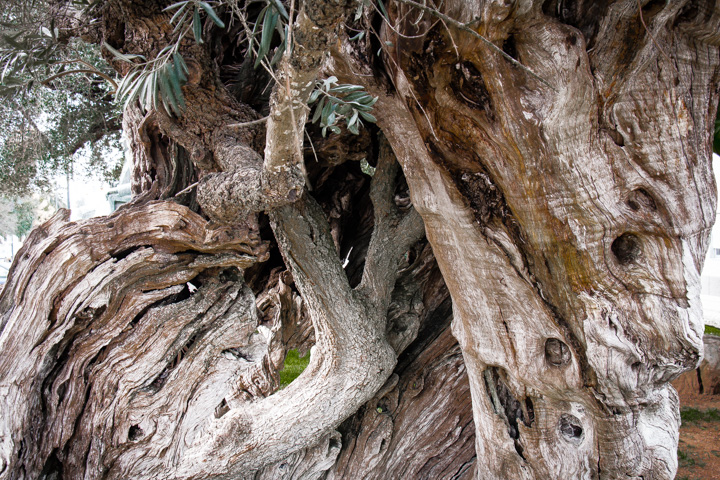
567	202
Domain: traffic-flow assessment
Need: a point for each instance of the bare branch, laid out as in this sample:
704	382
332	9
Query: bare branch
80	70
393	233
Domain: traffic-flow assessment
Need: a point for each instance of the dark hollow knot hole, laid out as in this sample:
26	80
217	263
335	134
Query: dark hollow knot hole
334	444
570	428
557	352
135	433
222	409
626	248
640	199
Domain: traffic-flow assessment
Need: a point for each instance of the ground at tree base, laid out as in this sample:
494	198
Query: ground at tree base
699	445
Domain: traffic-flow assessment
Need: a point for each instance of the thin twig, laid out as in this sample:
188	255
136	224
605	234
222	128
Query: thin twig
457	51
652	37
312	146
465	28
247	124
397	32
417	102
251	42
186	189
289	39
80	70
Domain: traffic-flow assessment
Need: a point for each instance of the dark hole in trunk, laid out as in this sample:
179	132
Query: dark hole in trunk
626	248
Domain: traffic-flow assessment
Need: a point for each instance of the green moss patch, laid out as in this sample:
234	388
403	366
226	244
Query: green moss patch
710	330
293	367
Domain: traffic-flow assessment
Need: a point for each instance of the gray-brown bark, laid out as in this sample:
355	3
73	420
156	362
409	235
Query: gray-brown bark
571	256
567	203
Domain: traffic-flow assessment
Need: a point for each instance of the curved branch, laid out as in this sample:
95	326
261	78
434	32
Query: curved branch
112	82
393	234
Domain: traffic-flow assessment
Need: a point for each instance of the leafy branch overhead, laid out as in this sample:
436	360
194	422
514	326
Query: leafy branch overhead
155	82
21	53
29	56
274	19
55	101
160	81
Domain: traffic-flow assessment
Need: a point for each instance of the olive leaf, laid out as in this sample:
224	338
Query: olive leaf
159	85
337	101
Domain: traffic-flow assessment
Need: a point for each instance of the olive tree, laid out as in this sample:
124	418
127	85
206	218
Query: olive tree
485	220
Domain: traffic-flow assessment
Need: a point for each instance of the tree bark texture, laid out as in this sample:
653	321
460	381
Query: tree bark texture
566	198
570	220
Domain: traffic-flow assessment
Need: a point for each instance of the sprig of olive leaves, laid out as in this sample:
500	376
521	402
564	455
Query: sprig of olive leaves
337	101
160	81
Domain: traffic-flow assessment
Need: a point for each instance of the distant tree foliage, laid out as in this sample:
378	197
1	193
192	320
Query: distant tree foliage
8	222
56	100
16	216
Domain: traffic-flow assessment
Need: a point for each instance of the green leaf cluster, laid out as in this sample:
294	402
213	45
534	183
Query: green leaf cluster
184	20
336	102
153	84
274	19
54	98
42	128
25	54
17	215
25	213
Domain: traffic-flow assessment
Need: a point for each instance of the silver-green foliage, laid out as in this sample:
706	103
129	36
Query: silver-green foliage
160	81
154	83
42	128
337	102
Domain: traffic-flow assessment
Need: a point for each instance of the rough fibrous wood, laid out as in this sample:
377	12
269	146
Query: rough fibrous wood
567	197
570	226
84	391
419	425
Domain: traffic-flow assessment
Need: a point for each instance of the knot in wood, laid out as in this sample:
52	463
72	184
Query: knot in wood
557	352
626	248
571	428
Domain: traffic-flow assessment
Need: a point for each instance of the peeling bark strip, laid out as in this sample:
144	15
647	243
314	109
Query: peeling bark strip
567	203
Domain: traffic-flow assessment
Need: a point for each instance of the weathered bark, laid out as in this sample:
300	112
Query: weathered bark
419	425
570	221
567	202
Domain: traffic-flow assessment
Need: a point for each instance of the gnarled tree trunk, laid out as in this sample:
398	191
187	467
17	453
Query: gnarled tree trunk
566	195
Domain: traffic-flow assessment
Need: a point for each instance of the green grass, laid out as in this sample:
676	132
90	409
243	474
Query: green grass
710	330
685	459
694	415
293	367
